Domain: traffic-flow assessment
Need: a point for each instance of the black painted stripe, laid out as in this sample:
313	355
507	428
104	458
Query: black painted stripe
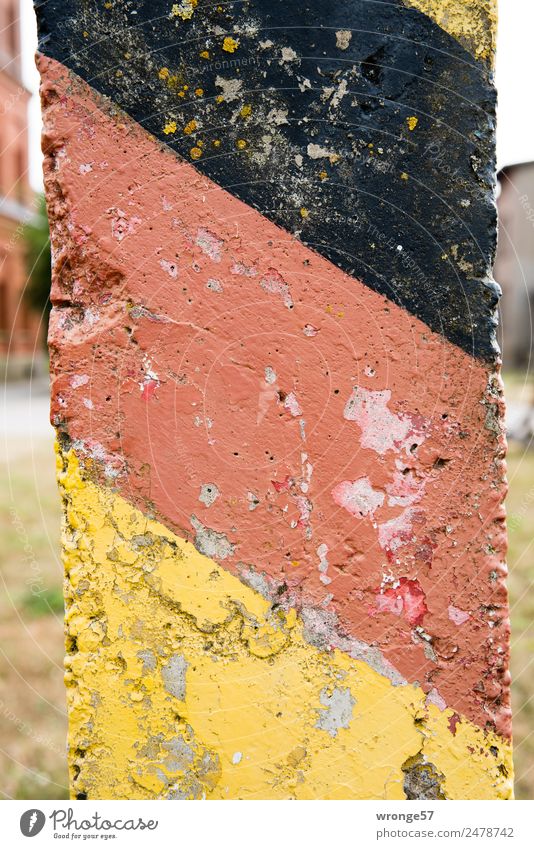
315	129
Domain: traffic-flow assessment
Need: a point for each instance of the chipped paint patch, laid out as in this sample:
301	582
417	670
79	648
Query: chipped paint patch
403	597
209	493
274	283
337	711
381	430
173	674
358	497
209	244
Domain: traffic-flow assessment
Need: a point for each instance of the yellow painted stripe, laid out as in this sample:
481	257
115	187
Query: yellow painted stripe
184	683
471	22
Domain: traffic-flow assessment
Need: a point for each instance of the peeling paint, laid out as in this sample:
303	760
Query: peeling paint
207	631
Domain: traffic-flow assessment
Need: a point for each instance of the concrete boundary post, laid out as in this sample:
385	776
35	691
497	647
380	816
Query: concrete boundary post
276	391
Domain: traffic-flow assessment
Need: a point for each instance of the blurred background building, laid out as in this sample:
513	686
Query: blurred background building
514	266
20	342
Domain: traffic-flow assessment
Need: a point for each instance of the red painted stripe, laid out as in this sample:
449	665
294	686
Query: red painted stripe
222	376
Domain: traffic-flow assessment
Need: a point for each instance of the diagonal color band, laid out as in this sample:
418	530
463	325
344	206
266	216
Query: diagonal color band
362	128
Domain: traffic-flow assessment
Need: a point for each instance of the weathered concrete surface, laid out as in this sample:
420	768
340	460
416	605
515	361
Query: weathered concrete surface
252	709
356	126
284	534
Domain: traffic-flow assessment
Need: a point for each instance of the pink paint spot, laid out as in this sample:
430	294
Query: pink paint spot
243	270
398	531
283	486
405	490
170	267
209	244
121	225
404	598
78	380
382	430
275	284
358	497
292	405
150	382
305	507
434	698
458	616
148	389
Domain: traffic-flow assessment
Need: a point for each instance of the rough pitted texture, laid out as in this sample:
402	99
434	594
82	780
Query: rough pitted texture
284	539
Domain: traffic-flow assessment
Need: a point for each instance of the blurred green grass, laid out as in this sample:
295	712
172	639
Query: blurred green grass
520	509
33	727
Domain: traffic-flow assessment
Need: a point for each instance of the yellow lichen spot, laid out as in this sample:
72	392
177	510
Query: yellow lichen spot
340	314
444	256
329	309
219	98
323	175
241	144
404	176
333	158
195	153
163	73
304	212
186	87
204	54
85	34
412	122
230	44
217	143
199	92
118	73
108	5
170	127
181	94
184	10
246	110
190	128
200	143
